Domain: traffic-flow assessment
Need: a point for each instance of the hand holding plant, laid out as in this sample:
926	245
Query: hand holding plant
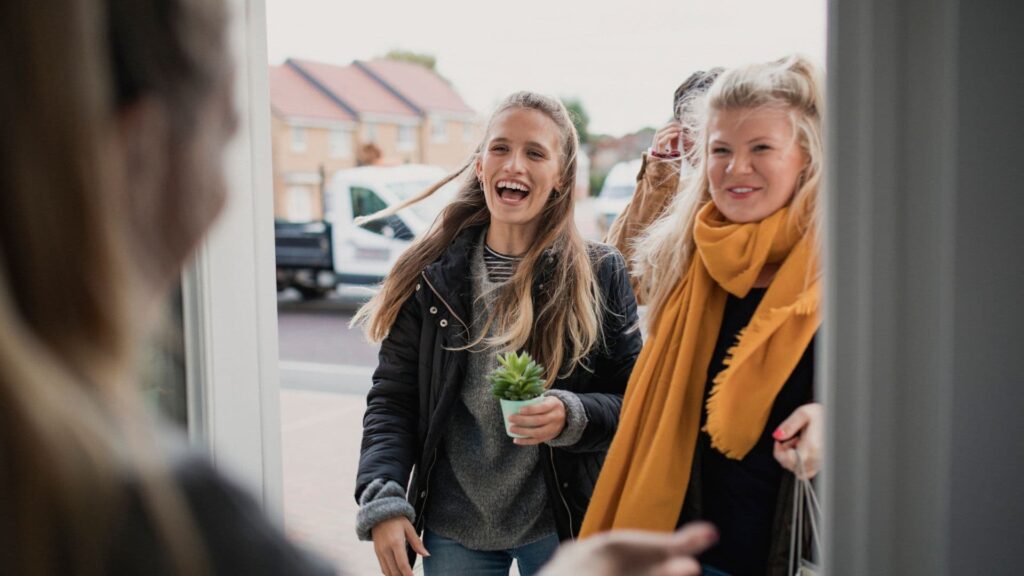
517	382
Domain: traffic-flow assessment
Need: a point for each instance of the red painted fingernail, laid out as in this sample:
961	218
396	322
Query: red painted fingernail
778	435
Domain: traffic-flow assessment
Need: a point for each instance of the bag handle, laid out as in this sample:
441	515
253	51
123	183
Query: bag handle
804	501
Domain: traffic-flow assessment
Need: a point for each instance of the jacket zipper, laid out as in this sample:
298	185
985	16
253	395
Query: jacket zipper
558	488
551	453
443	301
426	490
433	459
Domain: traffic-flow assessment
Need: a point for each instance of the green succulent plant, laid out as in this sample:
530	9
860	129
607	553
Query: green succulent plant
517	377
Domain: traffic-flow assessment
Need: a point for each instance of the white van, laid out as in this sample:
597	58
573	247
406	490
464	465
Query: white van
316	257
616	192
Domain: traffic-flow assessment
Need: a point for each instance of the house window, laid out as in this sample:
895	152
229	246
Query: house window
438	132
340	143
371	132
406	138
300	204
467	132
298	139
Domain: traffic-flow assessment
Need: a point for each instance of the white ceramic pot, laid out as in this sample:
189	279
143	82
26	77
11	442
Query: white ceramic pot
510	407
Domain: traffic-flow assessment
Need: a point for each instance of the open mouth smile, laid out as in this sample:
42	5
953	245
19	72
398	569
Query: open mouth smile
511	191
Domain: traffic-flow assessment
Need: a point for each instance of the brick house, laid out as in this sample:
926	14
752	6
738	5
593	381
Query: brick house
450	127
311	136
323	114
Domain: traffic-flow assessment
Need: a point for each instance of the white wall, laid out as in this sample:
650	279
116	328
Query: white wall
924	362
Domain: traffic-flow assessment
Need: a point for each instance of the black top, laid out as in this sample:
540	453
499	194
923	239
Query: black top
739	496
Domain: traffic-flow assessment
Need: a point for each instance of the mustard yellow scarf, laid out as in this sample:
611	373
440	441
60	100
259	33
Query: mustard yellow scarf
645	475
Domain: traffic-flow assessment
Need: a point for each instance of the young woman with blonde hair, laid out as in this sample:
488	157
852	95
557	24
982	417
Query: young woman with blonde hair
721	397
504	268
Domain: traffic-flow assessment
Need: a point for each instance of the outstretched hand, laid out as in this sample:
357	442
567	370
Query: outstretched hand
635	552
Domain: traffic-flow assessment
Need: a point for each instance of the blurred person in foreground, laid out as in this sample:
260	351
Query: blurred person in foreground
116	116
665	167
721	400
116	113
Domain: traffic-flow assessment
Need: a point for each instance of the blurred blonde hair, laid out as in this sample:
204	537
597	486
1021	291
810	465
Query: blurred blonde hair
75	438
562	329
664	252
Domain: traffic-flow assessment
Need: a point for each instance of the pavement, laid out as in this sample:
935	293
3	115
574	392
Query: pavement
320	435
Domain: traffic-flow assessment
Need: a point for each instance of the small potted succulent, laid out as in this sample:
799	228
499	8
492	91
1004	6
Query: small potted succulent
517	381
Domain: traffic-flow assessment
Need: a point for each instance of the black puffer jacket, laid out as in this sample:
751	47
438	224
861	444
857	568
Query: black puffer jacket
419	377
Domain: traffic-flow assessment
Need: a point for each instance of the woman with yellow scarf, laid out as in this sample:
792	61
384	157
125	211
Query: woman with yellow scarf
722	394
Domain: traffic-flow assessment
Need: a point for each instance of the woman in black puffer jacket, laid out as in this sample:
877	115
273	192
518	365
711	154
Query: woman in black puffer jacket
503	269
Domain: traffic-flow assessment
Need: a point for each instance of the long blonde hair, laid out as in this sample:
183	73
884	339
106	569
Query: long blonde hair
74	435
558	330
664	252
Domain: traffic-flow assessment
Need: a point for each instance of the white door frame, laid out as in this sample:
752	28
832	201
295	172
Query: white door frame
229	291
889	346
923	363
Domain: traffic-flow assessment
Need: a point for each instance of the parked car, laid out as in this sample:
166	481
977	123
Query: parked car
616	192
315	257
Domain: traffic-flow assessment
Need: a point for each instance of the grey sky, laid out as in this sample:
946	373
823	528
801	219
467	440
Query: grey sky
623	59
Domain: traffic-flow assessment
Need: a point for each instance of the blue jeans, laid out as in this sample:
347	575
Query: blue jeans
449	558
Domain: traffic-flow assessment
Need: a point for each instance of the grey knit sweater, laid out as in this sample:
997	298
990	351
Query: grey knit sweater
488	493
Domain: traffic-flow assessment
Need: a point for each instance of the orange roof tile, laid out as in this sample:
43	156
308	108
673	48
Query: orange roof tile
292	95
357	89
422	87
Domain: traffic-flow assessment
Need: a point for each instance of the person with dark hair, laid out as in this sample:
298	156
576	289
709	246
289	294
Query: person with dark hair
665	167
368	154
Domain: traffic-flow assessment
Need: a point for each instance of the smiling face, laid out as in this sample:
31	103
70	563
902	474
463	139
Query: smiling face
754	162
519	166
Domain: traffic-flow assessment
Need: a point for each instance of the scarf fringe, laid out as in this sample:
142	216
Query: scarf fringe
806	305
644	478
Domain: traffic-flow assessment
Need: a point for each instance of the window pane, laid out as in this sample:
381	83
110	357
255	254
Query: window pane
438	130
298	139
341	143
406	138
364	203
300	204
163	366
